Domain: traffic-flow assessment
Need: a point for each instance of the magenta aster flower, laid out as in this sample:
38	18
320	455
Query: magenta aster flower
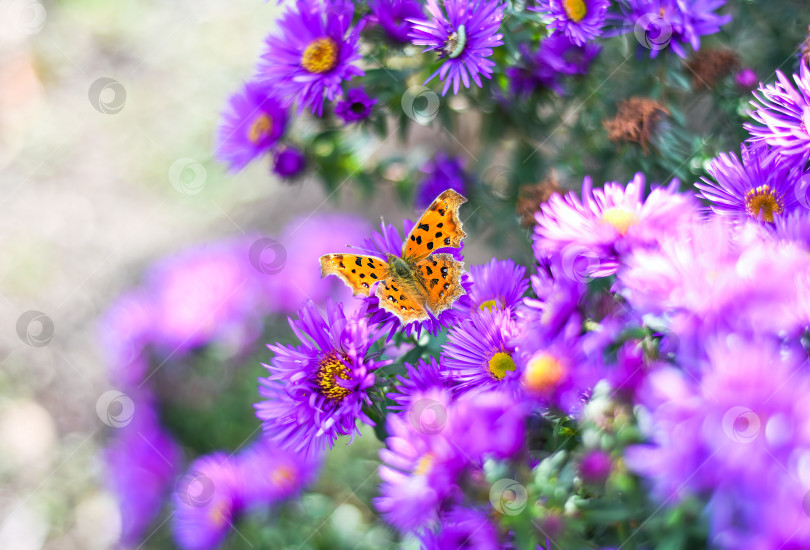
592	235
251	127
141	461
356	106
420	378
499	284
662	24
760	186
735	433
478	352
315	392
463	34
579	20
783	114
314	54
271	473
206	500
394	17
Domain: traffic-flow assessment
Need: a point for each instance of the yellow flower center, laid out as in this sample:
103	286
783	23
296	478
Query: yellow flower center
320	56
543	373
575	10
499	364
218	513
329	370
260	128
424	464
489	304
762	203
620	219
283	476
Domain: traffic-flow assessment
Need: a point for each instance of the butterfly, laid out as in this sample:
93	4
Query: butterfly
419	282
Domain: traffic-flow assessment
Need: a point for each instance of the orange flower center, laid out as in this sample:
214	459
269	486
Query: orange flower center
762	203
543	373
260	128
329	370
575	10
320	56
283	476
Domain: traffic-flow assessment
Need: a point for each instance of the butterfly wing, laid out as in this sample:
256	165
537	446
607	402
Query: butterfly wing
438	227
403	298
440	275
359	272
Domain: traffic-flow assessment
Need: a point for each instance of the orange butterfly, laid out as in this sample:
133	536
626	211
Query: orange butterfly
418	282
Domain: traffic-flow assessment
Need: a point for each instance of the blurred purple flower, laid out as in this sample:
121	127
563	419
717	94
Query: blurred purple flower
271	474
289	162
394	17
356	106
498	284
554	58
746	79
463	34
442	173
462	528
420	378
316	391
206	500
252	126
314	54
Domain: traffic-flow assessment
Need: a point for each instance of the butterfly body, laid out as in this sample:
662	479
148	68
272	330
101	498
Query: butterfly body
419	282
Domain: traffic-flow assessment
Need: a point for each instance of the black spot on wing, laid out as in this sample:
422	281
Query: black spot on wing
429	270
373	276
430	246
419	240
424	226
358	261
434	282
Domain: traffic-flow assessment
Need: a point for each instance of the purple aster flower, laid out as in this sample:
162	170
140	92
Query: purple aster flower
289	163
760	186
394	15
272	474
783	114
463	528
251	127
594	466
389	241
499	284
463	34
206	293
443	172
124	332
206	500
315	392
753	283
746	79
794	227
314	54
478	353
659	24
141	461
420	378
591	236
419	465
488	424
555	58
579	20
356	106
735	433
559	298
